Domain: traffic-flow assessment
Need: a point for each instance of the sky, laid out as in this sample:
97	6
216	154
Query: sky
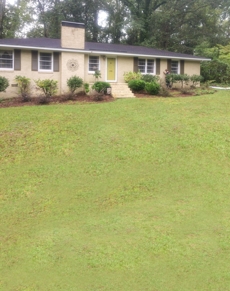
10	1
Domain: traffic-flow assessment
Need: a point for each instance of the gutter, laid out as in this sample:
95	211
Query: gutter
101	52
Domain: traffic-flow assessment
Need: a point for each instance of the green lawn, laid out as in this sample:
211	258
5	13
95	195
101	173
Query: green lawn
131	195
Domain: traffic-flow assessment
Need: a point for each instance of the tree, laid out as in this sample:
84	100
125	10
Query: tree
2	16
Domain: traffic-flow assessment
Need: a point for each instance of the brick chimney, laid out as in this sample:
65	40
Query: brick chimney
72	35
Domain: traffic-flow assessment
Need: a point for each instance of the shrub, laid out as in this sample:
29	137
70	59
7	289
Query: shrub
48	87
152	88
128	76
164	92
74	83
23	87
101	87
185	91
201	91
136	85
150	78
86	87
4	83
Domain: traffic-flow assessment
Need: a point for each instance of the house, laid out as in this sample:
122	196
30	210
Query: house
59	59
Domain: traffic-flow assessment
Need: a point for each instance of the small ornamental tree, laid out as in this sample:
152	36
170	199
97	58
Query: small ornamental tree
97	74
170	79
74	83
48	87
196	79
4	83
23	87
182	78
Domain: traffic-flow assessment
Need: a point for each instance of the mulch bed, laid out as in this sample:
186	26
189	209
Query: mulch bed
80	97
18	101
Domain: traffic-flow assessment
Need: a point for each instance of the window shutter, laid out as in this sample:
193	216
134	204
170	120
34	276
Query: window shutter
169	65
56	61
135	65
158	66
17	60
34	63
182	67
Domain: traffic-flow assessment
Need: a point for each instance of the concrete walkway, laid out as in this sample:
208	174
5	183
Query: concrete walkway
221	88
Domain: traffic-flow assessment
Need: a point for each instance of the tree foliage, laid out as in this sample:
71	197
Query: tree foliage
176	25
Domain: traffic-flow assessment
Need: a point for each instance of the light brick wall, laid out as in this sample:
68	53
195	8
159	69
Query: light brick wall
192	68
72	37
124	64
26	71
65	70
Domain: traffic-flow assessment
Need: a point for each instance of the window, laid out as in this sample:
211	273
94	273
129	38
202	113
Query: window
93	63
146	66
46	61
6	59
175	67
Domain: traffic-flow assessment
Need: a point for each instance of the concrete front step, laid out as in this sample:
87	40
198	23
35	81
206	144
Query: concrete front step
121	90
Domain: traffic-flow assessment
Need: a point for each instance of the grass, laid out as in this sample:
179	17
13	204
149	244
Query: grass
125	195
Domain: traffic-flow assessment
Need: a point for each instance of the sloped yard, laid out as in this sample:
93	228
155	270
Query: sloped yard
125	195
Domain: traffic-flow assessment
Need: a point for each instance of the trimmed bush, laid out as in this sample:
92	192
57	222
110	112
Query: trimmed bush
4	83
101	87
164	92
74	83
150	78
136	85
47	86
152	88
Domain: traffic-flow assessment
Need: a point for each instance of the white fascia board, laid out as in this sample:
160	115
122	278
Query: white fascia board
102	52
43	48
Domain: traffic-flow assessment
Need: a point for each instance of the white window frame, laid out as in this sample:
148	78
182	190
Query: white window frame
8	69
39	62
146	66
90	71
178	66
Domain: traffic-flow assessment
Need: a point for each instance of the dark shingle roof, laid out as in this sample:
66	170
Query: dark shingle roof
55	44
32	42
